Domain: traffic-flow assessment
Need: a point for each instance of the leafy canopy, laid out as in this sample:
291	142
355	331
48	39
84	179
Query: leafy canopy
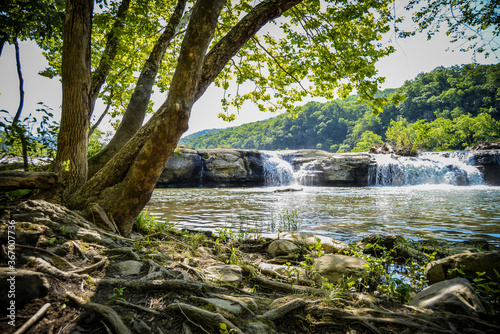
317	48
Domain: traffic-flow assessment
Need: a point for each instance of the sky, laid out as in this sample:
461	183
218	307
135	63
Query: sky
413	55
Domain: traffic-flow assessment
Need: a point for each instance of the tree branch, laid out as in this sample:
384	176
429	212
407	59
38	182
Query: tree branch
245	29
101	72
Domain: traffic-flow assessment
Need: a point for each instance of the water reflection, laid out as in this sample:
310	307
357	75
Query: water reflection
445	212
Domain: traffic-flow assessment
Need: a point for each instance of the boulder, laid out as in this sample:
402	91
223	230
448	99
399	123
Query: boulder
488	162
230	167
335	267
228	273
128	268
471	263
281	247
455	296
26	285
183	169
321	168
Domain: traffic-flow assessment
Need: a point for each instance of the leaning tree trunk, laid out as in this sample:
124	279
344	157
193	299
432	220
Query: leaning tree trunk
125	184
71	158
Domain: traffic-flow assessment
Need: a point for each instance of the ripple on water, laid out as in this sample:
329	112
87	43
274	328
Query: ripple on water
437	211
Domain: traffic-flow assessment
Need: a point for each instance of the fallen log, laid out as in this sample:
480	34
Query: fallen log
12	180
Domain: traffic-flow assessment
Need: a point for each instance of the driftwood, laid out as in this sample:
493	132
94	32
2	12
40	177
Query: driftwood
33	319
12	180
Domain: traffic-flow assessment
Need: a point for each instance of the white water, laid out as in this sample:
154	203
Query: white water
277	171
452	168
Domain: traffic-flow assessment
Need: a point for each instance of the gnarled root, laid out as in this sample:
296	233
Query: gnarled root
197	315
107	312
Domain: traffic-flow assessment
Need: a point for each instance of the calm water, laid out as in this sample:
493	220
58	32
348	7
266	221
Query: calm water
440	211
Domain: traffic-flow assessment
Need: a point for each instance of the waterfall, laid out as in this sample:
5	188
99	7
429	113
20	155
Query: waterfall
453	168
277	171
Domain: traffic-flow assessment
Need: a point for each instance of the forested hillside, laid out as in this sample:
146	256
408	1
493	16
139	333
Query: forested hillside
448	108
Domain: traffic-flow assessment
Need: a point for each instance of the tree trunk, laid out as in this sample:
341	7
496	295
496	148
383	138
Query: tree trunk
21	83
136	109
125	184
76	100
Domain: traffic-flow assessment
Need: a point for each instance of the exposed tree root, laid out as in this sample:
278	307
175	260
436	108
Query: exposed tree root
117	325
46	268
282	311
270	284
138	307
91	268
169	284
202	316
46	251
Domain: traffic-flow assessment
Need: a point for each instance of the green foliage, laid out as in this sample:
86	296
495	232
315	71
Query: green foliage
34	136
443	134
147	223
116	295
487	288
30	19
447	98
97	141
368	139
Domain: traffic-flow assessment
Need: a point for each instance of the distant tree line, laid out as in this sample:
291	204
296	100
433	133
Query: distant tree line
446	109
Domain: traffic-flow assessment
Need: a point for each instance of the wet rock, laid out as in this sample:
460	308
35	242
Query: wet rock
25	284
281	248
128	268
455	296
228	273
335	267
471	263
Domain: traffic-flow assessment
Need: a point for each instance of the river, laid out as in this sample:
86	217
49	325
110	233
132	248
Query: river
440	211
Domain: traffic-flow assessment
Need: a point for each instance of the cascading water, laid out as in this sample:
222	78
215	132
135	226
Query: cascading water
309	174
452	168
277	171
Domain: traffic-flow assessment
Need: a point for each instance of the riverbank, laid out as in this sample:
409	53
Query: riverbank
164	280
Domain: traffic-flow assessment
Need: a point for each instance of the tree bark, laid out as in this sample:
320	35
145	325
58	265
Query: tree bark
125	184
101	72
76	100
136	109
